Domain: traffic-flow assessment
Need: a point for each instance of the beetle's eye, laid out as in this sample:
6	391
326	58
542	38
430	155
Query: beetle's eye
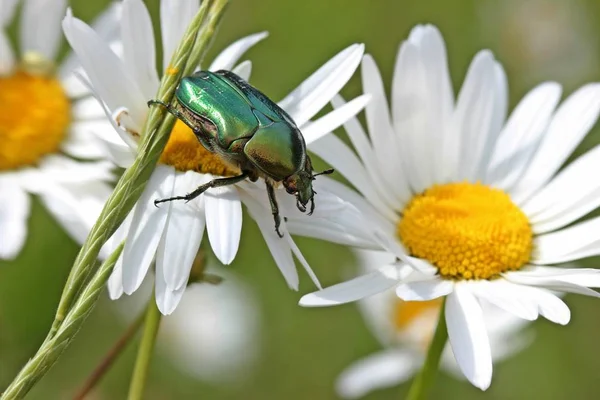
290	189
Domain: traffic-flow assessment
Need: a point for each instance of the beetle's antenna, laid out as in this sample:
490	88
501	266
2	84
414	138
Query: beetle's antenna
326	172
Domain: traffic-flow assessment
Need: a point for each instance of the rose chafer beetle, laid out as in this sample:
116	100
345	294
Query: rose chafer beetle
247	130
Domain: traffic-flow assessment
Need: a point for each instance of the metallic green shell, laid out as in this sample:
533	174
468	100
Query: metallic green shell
238	110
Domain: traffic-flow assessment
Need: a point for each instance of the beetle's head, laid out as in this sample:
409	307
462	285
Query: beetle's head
300	184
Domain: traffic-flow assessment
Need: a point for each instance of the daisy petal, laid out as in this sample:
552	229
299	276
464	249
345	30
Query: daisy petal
228	57
550	209
104	69
572	243
501	294
175	16
7	57
333	120
115	282
571	122
243	70
563	281
588	277
138	46
473	117
377	371
424	290
318	89
362	145
278	247
522	134
183	233
166	299
40	26
468	337
223	222
14	213
147	227
422	100
300	257
366	285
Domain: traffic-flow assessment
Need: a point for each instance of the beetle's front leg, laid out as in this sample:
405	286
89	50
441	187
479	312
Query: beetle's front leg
274	207
176	113
220	182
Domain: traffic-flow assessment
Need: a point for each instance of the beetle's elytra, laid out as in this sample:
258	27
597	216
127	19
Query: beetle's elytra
245	128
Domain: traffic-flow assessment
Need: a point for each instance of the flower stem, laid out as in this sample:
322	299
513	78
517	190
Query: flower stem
108	360
142	362
424	381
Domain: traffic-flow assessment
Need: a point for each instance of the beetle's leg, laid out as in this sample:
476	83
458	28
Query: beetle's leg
312	204
203	188
274	207
176	113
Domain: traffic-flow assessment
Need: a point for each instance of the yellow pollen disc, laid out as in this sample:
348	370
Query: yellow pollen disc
407	312
34	118
468	231
185	153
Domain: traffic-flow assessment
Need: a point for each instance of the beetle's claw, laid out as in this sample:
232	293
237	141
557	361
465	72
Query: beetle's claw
312	206
156	202
278	232
300	206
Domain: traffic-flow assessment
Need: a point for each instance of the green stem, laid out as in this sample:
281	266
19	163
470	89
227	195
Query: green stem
115	351
52	348
424	381
142	362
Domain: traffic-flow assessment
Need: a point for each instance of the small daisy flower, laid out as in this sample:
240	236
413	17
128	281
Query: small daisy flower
405	329
471	205
45	128
171	234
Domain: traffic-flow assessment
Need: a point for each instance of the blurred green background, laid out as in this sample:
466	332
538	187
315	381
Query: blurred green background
303	350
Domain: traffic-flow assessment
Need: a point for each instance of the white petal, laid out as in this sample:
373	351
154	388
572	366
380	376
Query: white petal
138	46
115	282
243	70
277	246
522	134
503	294
300	257
7	57
422	101
564	280
587	277
223	222
549	305
167	299
468	337
333	120
83	142
471	130
230	56
571	122
377	371
14	213
318	89
572	243
40	26
336	153
424	290
366	285
105	70
574	192
175	16
183	233
147	228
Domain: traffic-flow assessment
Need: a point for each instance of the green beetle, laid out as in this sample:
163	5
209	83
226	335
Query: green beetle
246	129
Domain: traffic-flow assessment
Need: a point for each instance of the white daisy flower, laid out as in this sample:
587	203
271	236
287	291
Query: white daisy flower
172	232
46	120
405	329
472	205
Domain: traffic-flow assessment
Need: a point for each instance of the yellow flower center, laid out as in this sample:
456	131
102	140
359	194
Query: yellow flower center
468	231
185	153
34	118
